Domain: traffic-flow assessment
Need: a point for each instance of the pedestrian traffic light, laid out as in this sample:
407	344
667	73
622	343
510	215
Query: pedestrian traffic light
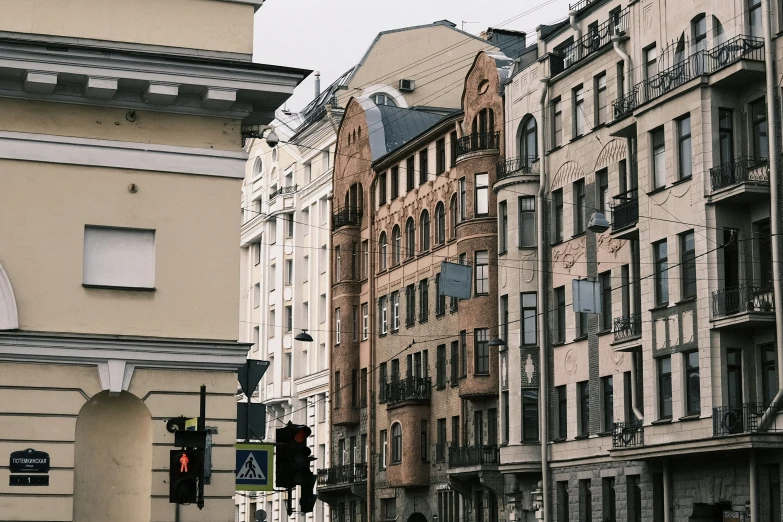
185	476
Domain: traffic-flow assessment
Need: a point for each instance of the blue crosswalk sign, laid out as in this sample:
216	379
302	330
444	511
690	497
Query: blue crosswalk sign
254	467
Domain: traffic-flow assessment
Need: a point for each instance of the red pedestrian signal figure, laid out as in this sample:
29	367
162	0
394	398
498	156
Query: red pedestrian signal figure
183	460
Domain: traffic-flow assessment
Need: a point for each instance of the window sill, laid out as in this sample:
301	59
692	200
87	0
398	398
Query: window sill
527	247
579	234
424	253
381	335
480	294
667	420
481	374
682	180
686	300
692	417
454	384
440	387
657	190
662	306
554	149
580	338
604	433
439	315
556	243
576	138
604	332
395	330
380	272
582	436
560	439
411	325
558	343
408	260
438	246
131	288
422	321
502	253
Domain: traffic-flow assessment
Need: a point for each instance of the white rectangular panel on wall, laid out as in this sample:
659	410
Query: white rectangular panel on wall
119	257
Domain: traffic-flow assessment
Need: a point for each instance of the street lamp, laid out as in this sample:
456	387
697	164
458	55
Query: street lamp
497	341
598	223
304	336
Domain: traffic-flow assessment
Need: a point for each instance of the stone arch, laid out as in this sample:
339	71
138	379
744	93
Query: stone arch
113	459
417	517
611	153
9	316
568	172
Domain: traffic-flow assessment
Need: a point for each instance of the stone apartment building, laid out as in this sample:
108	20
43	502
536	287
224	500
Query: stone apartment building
121	163
664	406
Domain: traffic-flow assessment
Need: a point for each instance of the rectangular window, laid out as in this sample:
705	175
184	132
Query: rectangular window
395	182
504	318
395	305
257	295
453	142
354	393
118	257
382	381
455	431
363	387
289	318
322	308
601	104
506	416
337	326
562	501
560	309
581	325
424	300
410	305
684	152
607	400
481	345
665	387
650	62
482	272
272	231
578	96
492	426
410	176
289	225
758	119
755	18
661	267
382	315
557	215
322	259
272	323
579	207
365	321
305	269
454	362
726	135
658	158
529	415
424	443
288	366
608	499
289	272
336	390
462	199
365	258
528	318
440	300
562	412
502	227
272	277
688	265
382	188
355	323
620	78
585	501
440	370
463	352
606	301
423	167
384	450
769	376
440	156
583	391
256	253
440	449
527	221
557	123
692	384
482	195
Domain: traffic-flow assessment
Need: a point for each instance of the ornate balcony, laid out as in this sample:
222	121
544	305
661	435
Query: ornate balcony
282	191
590	43
478	142
625	210
418	389
346	217
518	165
627	434
342	475
741	170
727	420
581	5
627	327
742	299
469	456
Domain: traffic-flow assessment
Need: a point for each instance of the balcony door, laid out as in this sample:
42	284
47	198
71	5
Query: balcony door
731	278
734	377
478	428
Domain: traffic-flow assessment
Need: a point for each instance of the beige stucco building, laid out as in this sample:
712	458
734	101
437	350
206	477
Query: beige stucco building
122	162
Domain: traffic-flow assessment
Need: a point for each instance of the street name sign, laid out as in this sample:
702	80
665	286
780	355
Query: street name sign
29	461
254	467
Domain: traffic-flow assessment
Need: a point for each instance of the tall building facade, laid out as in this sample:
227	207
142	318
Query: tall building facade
287	208
121	151
665	405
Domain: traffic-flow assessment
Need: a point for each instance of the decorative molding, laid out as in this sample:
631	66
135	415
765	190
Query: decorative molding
611	153
568	255
568	172
9	315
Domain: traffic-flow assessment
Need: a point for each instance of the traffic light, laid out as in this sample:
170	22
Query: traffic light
292	463
307	496
185	476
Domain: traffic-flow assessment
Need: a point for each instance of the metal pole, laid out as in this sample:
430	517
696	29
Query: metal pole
202	420
754	493
250	392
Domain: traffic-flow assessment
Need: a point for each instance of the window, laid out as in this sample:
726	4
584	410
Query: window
482	351
382	315
410	166
528	145
758	118
562	501
273	231
322	260
492	426
684	151
396	245
699	31
453	217
481	266
382	188
453	146
726	135
289	225
440	367
396	434
734	377
506	416
658	158
557	123
272	323
424	230
382	251
560	308
322	308
606	301
423	167
337	265
119	257
288	366
557	215
354	262
423	442
289	272
384	447
423	300
455	431
454	363
440	156
289	318
602	180
769	376
440	299
382	381
256	253
395	182
529	415
601	112
692	386
754	18
272	277
257	295
502	227
504	318
410	238
528	318
661	262
650	62
607	402
527	221
578	96
482	195
336	390
365	321
440	449
585	501
337	325
462	199
620	78
381	98
665	387
562	412
608	499
463	352
354	397
579	207
410	305
395	304
308	172
688	265
633	491
365	258
583	391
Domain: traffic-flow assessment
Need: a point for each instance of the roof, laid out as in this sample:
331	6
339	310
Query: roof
316	109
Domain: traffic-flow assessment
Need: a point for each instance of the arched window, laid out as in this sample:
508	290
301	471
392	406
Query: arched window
257	167
453	216
528	141
410	238
396	245
396	450
424	242
354	199
381	98
699	33
382	251
440	224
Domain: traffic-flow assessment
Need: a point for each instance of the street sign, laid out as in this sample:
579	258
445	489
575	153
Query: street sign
256	417
29	480
455	280
254	465
250	374
29	461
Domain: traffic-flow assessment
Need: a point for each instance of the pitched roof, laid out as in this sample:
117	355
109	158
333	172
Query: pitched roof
391	127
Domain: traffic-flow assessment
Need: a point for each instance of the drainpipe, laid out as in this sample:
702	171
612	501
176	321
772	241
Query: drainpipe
617	39
774	211
543	411
666	491
578	31
754	488
373	335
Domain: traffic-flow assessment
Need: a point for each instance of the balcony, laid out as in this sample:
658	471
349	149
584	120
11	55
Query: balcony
416	389
743	304
744	177
625	210
478	142
627	327
282	191
346	217
342	475
700	63
580	5
627	434
590	43
472	456
518	165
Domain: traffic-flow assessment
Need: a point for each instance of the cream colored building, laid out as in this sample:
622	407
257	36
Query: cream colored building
121	163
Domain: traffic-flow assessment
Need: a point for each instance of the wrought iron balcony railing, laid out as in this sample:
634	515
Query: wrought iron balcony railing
742	298
282	190
627	327
478	141
518	165
408	389
591	42
700	63
628	434
741	170
474	456
347	474
580	5
625	210
346	217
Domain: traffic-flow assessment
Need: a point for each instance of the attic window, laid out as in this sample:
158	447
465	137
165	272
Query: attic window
483	86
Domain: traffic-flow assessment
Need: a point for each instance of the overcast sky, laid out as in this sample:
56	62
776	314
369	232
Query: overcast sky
332	35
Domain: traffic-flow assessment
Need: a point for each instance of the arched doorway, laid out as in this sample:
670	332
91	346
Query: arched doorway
417	517
113	460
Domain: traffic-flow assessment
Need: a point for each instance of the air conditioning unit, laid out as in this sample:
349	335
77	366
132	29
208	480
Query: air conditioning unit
407	85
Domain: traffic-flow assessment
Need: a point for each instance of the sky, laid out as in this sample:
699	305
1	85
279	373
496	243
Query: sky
331	36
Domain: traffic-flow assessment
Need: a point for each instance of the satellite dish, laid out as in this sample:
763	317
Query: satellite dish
260	515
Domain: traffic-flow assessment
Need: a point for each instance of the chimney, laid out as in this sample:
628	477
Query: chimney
317	83
511	43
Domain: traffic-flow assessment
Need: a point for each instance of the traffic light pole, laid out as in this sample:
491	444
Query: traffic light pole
202	422
247	424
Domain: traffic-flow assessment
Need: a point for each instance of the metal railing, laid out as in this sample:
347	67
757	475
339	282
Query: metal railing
282	190
474	456
580	5
728	420
700	63
408	389
345	217
628	434
627	327
742	298
741	170
478	141
593	41
518	165
347	474
625	210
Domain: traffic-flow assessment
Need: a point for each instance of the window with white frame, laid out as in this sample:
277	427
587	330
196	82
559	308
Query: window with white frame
365	321
482	195
395	302
336	326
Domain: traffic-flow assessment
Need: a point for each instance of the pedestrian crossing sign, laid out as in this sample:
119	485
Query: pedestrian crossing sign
254	467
